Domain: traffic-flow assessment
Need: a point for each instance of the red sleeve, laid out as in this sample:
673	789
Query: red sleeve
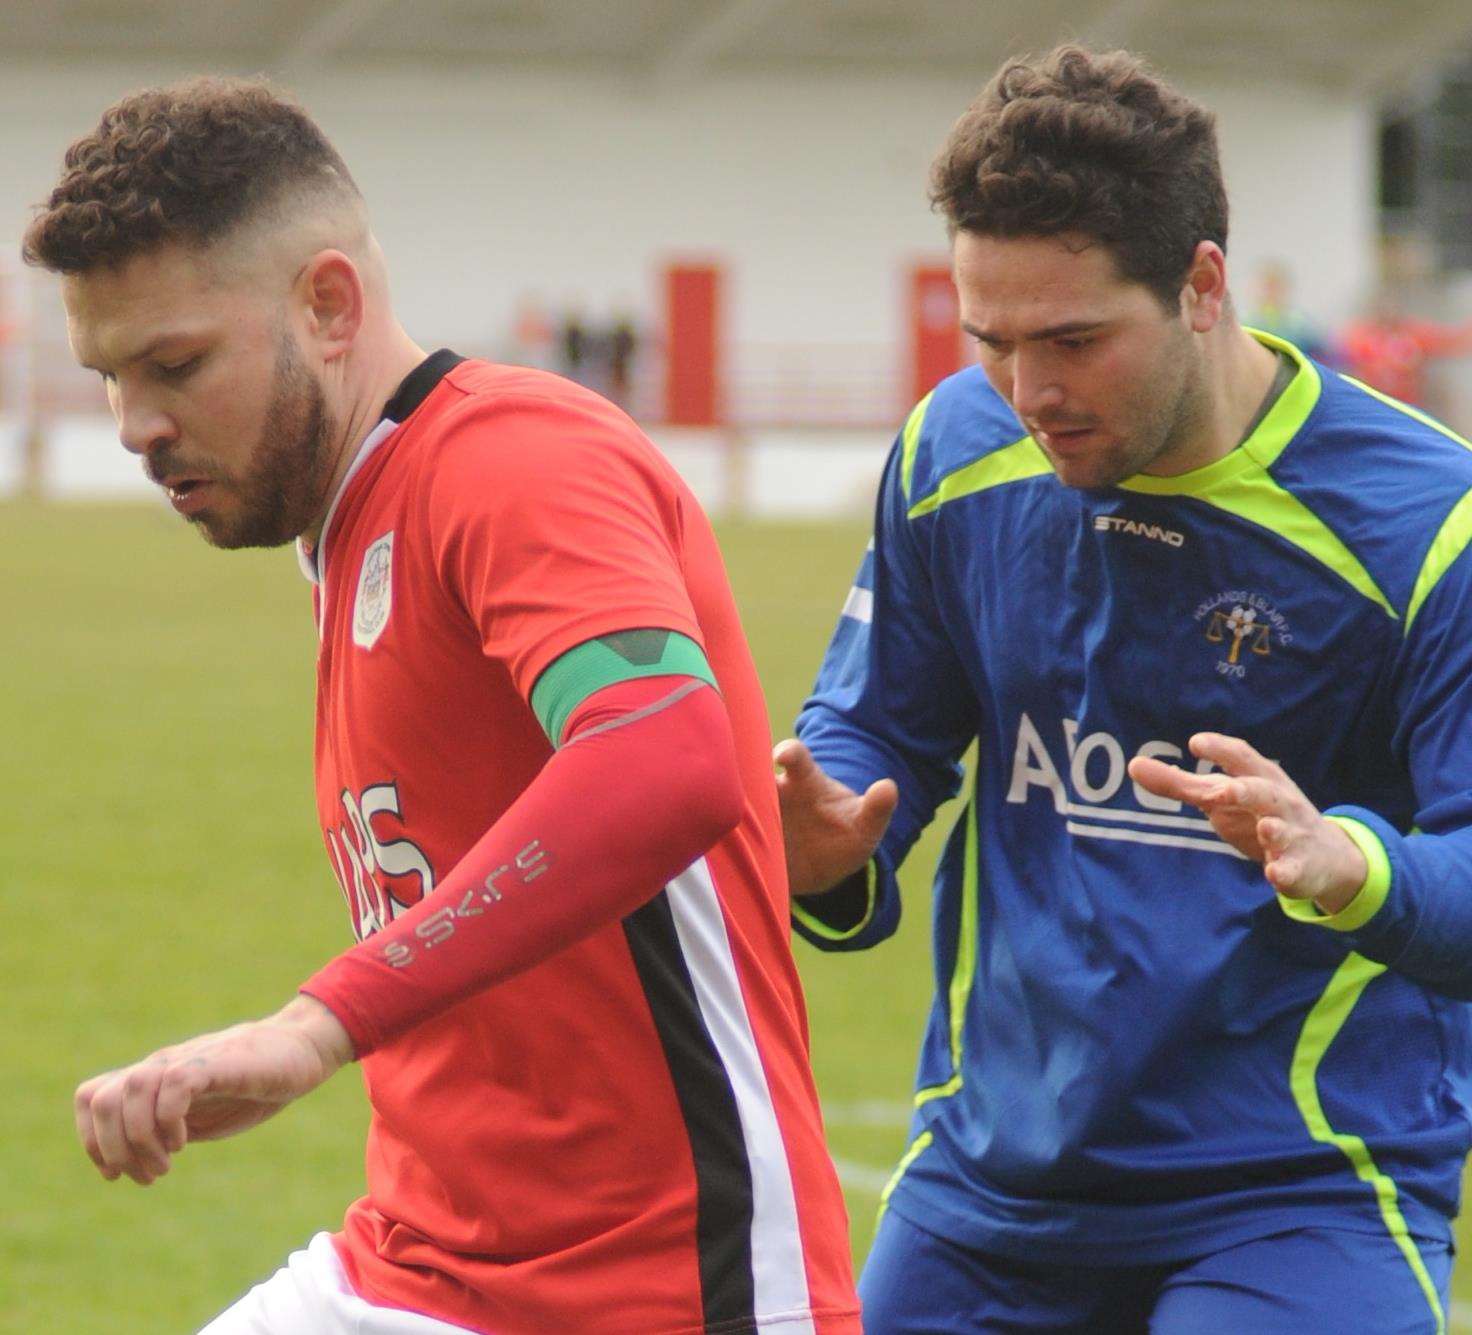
553	522
646	783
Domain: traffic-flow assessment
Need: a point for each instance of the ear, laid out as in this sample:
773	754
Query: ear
329	292
1204	296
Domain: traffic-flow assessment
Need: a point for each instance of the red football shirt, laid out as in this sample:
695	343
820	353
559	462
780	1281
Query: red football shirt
626	1137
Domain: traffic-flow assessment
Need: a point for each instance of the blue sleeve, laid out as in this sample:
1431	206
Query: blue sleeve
1414	914
891	700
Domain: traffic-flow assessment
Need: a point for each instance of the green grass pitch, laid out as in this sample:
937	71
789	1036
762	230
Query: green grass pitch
162	875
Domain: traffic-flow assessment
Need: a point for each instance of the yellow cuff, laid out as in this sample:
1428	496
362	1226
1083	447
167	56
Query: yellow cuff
819	928
1368	899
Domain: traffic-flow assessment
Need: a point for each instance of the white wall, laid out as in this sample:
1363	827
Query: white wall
484	186
1301	176
810	188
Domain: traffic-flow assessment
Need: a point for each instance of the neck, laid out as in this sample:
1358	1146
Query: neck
1236	372
380	367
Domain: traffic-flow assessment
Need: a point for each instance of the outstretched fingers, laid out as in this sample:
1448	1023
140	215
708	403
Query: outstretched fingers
1172	781
1260	794
1233	756
1256	807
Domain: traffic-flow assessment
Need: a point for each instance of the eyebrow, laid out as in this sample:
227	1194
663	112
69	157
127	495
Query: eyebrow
147	350
1068	329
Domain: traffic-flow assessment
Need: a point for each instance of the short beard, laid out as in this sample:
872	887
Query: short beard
285	487
1167	411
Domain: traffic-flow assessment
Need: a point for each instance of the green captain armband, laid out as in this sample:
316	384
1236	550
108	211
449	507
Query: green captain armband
624	655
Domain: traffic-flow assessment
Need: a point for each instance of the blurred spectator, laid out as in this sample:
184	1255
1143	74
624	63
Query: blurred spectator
1389	350
623	348
573	341
1273	311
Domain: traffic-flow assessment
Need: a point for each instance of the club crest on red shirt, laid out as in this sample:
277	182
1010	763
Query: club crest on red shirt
375	592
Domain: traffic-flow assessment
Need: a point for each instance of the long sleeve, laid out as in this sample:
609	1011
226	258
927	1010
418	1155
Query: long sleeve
646	782
891	700
1414	913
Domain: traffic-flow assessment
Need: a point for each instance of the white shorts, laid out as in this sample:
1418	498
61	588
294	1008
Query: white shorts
309	1295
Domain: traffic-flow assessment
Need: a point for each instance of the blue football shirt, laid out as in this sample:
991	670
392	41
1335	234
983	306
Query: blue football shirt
1136	1052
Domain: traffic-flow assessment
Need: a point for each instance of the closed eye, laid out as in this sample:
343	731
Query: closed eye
177	370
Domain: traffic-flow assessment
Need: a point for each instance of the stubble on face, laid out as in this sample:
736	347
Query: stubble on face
1159	413
284	487
1105	377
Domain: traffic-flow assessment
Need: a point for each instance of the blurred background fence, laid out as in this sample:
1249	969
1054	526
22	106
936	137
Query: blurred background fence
715	211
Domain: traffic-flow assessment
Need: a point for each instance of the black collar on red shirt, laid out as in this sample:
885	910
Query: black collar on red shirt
419	384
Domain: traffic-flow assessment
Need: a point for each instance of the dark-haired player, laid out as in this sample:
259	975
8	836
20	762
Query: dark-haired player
542	778
1152	562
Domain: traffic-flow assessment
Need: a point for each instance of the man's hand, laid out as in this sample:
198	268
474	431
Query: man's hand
134	1120
1261	812
829	830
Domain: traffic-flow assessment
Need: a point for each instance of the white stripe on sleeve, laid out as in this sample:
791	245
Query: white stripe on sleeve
860	604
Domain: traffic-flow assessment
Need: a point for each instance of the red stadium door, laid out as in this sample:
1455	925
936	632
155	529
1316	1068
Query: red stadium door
935	335
692	295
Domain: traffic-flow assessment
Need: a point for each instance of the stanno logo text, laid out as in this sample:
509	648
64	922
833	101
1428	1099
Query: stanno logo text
1119	524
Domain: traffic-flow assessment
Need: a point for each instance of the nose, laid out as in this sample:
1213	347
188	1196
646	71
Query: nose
142	427
1035	386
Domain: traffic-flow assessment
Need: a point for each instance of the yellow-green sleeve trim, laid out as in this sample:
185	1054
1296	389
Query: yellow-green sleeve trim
590	666
921	1143
1320	1029
1406	408
910	442
820	928
958	995
964	974
1449	543
1456	529
1370	896
1021	459
944	1091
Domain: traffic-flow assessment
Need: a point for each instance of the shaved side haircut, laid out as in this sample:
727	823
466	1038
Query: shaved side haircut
189	164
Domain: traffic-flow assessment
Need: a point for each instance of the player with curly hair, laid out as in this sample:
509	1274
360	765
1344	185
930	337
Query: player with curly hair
542	778
1199	1058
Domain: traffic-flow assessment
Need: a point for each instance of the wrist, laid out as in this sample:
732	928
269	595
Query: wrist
1369	898
316	1022
1352	870
1337	900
